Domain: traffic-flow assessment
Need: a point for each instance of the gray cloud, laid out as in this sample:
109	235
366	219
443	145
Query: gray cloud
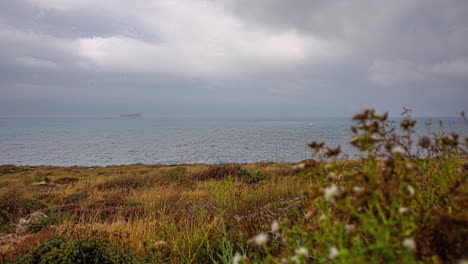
232	57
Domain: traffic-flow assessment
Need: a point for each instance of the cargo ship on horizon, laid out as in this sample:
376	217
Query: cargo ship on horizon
137	115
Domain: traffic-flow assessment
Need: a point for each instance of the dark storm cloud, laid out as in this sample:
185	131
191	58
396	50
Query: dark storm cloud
233	57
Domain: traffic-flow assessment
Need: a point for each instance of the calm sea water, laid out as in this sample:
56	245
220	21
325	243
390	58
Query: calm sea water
101	142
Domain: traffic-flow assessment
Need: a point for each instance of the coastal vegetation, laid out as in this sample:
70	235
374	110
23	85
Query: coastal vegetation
404	201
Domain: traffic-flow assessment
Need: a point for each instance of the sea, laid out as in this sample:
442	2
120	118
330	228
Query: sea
77	141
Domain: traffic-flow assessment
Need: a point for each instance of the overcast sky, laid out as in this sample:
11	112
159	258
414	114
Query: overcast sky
232	58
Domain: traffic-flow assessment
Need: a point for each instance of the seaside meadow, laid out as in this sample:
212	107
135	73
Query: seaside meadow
233	132
403	201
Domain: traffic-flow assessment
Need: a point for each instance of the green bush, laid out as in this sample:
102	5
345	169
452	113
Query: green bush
43	177
52	219
252	177
175	174
59	250
256	176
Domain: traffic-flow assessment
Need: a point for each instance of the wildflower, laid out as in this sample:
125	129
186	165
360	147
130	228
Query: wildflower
397	150
403	210
238	218
407	123
424	142
350	227
238	258
357	189
333	253
411	190
296	259
330	193
409	244
331	152
261	239
275	226
309	214
362	116
316	145
268	216
322	217
302	251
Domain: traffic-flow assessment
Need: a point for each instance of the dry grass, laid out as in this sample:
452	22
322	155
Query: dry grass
204	213
175	204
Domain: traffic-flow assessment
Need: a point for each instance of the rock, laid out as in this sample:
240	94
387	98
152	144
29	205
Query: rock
43	183
25	222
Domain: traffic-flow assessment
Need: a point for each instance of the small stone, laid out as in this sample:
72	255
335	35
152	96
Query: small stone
25	222
42	183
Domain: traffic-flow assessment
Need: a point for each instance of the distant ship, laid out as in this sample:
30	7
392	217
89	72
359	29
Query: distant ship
131	115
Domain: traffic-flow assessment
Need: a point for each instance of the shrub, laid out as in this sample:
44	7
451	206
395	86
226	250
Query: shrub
43	177
52	219
216	172
256	176
175	174
59	250
14	206
65	180
75	197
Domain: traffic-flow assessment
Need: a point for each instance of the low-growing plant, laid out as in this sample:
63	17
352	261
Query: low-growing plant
389	211
75	197
256	176
175	174
42	223
43	177
60	250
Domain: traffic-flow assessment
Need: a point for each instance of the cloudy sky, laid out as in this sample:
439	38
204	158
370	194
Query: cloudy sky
232	58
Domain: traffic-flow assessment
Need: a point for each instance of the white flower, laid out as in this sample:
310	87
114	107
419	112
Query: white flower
322	217
302	251
350	227
397	150
403	210
275	226
261	239
357	189
238	258
330	192
333	253
308	215
296	259
409	243
331	175
411	190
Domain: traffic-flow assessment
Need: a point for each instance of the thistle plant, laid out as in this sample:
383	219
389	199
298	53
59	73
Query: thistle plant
385	207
